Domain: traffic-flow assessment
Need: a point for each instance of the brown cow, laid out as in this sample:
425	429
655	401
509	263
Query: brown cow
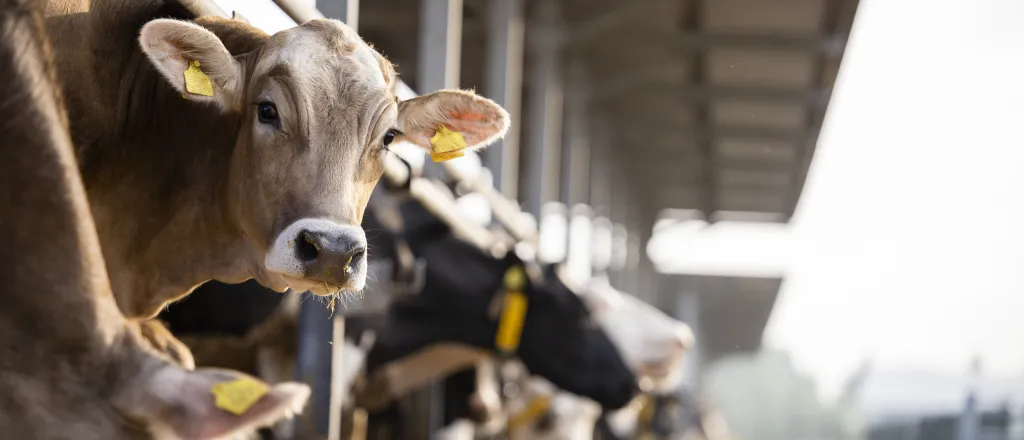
71	366
268	178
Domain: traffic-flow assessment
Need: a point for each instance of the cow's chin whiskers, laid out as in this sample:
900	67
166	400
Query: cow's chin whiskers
339	297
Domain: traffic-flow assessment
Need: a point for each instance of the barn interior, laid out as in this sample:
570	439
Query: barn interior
624	114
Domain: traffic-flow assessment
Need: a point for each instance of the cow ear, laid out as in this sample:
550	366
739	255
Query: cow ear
182	403
480	120
176	47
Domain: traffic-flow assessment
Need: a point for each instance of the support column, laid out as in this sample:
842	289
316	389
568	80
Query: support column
687	310
322	333
347	11
440	45
313	367
576	145
440	52
648	273
630	278
545	110
504	84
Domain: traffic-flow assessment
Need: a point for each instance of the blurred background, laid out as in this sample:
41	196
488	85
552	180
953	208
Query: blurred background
826	191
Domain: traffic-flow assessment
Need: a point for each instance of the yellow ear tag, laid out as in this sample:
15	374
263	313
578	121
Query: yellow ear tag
513	311
447	144
238	395
197	82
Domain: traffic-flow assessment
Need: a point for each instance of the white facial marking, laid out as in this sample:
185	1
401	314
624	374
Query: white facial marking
282	258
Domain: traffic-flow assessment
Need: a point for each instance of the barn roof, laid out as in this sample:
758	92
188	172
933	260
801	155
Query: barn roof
717	104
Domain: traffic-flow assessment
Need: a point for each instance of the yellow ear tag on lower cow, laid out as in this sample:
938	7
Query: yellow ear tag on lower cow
197	82
446	144
238	395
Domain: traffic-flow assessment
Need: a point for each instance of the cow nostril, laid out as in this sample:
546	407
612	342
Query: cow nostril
357	255
306	248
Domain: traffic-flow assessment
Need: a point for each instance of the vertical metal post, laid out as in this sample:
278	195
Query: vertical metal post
545	109
688	310
648	274
348	12
440	52
345	10
440	45
577	138
630	273
440	55
338	388
504	84
314	366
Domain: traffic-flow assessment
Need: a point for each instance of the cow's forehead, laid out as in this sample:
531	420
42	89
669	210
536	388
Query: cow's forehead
322	53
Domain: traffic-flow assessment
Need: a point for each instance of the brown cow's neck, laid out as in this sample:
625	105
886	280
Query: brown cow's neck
64	343
154	164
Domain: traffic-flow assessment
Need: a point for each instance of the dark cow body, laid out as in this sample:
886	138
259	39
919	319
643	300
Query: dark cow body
558	341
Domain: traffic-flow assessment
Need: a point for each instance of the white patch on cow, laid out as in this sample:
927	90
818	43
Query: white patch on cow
460	429
650	341
574	416
282	259
623	422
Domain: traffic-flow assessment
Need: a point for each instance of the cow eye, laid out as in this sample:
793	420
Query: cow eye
389	137
266	112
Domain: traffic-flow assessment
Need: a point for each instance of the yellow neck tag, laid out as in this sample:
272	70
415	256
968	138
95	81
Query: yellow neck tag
510	329
238	395
446	144
197	82
532	411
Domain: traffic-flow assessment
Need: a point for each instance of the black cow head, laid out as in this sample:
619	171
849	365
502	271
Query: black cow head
458	304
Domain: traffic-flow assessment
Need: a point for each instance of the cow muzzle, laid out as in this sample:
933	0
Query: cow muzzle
320	255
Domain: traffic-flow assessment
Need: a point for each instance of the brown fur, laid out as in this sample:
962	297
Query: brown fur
71	366
188	190
178	195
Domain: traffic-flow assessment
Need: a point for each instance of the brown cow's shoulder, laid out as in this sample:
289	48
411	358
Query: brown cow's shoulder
71	366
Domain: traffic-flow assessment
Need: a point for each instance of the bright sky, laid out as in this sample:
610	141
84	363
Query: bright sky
908	245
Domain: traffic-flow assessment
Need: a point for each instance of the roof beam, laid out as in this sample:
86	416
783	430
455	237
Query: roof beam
603	23
831	45
827	45
638	88
716	132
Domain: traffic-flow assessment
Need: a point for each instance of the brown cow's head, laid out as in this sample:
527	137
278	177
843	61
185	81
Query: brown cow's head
318	113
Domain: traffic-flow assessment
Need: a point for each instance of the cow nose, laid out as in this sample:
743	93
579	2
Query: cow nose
325	252
327	256
322	246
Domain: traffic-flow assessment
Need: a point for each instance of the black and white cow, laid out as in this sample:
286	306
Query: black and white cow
560	341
